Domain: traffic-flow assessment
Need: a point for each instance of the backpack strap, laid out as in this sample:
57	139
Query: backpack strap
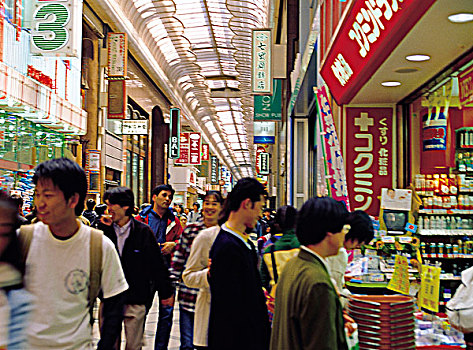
25	237
273	262
95	265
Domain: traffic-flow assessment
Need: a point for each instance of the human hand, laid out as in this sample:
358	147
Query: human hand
167	247
106	219
350	323
208	268
168	301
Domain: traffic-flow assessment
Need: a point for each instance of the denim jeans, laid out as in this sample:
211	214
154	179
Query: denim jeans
186	327
163	330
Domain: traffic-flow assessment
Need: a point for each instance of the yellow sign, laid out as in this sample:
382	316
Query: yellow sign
400	280
429	288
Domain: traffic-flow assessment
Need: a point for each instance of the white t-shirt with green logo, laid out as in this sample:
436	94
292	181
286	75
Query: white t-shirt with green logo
57	274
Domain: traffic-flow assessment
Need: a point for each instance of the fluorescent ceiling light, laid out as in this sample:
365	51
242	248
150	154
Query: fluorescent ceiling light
390	83
418	58
461	17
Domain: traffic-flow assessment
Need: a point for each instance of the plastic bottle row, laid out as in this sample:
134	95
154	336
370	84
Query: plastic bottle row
444	223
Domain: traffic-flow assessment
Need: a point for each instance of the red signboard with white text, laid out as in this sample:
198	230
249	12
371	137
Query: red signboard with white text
205	151
195	141
465	81
183	149
369	156
368	35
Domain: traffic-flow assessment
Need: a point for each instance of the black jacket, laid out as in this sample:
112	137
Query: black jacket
142	264
238	314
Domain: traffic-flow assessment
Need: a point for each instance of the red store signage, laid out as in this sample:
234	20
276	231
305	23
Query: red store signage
465	81
194	148
369	33
369	156
183	149
205	151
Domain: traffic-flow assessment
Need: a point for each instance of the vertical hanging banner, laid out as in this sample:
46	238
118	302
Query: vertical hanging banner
117	45
369	132
183	149
174	133
116	99
214	170
56	28
400	280
429	288
334	168
2	27
261	75
205	151
195	141
269	107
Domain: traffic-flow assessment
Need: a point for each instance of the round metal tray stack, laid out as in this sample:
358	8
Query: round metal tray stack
385	322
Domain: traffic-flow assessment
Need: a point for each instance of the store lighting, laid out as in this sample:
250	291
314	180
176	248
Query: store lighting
390	83
418	58
461	17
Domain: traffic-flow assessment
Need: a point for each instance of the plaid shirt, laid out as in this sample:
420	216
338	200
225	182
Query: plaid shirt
186	296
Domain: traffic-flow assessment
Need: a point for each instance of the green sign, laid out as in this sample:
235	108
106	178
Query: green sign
51	20
269	107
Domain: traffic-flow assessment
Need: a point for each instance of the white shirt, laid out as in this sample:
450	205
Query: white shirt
337	266
122	234
57	274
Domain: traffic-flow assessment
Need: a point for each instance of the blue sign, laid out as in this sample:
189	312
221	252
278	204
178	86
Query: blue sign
264	139
434	132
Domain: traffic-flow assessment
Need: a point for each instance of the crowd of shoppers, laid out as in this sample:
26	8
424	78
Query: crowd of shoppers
225	285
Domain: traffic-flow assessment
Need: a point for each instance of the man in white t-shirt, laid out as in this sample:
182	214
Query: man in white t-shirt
57	265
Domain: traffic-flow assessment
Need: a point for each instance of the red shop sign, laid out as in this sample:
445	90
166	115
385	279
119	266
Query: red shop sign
205	151
369	33
183	149
369	156
195	141
465	81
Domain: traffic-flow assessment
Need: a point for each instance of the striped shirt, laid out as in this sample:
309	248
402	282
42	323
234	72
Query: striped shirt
186	296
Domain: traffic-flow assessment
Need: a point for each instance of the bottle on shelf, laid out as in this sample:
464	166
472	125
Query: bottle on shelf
461	164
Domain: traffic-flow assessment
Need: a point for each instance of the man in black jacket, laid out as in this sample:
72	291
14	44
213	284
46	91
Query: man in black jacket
238	314
141	260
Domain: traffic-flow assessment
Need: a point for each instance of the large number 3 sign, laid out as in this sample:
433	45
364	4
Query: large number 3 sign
51	20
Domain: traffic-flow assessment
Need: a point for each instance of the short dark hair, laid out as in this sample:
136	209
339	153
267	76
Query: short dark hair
216	194
18	200
318	216
90	204
67	175
196	204
247	187
361	227
100	209
122	196
286	217
158	189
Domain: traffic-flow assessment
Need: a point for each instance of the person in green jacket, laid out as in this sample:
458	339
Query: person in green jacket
308	313
284	248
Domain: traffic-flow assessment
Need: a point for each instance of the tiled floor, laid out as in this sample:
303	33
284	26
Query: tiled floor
150	329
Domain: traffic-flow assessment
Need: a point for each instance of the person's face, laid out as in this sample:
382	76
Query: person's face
6	227
352	244
211	208
163	199
391	194
186	211
336	240
178	209
253	211
183	220
195	208
51	205
118	212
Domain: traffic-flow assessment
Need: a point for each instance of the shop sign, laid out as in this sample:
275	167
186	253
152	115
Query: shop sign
192	180
195	141
335	170
40	77
264	132
134	127
18	18
2	26
429	288
368	35
369	159
116	99
400	280
183	149
465	81
434	131
264	163
56	28
93	181
260	149
205	151
174	132
117	54
261	81
268	107
93	160
214	170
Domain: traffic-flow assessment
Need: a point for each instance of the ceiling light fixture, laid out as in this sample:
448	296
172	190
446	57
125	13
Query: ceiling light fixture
390	83
418	58
461	17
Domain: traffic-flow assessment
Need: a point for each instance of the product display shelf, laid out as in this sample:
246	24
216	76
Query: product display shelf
446	232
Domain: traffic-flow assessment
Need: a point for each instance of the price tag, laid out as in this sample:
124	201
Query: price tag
388	239
400	280
429	288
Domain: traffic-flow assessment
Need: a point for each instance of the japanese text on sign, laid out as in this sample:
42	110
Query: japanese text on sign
117	54
195	141
429	288
261	62
335	168
184	149
400	280
205	151
134	127
214	170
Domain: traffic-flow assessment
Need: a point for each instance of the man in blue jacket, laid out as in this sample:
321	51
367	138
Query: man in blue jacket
141	259
238	314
